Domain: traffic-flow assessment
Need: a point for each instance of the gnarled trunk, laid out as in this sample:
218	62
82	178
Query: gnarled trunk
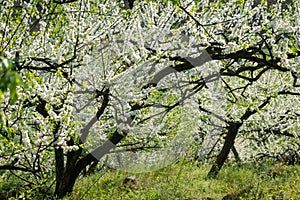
232	129
65	180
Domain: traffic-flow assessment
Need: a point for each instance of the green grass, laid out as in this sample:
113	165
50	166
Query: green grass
187	181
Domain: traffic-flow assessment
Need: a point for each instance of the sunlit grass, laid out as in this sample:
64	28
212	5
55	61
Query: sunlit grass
188	181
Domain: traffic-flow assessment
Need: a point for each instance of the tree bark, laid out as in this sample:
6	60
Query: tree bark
232	129
65	184
236	155
59	167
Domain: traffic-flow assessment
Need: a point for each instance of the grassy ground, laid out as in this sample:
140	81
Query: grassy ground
187	181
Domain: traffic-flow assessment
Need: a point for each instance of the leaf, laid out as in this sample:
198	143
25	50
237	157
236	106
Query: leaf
9	79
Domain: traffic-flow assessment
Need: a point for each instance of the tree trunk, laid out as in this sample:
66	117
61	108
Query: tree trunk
228	144
74	165
232	129
59	167
236	155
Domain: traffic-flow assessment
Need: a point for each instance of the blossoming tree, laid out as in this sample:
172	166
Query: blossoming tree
99	80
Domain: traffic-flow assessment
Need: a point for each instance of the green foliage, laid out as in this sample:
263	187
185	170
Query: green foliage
9	79
174	2
14	188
